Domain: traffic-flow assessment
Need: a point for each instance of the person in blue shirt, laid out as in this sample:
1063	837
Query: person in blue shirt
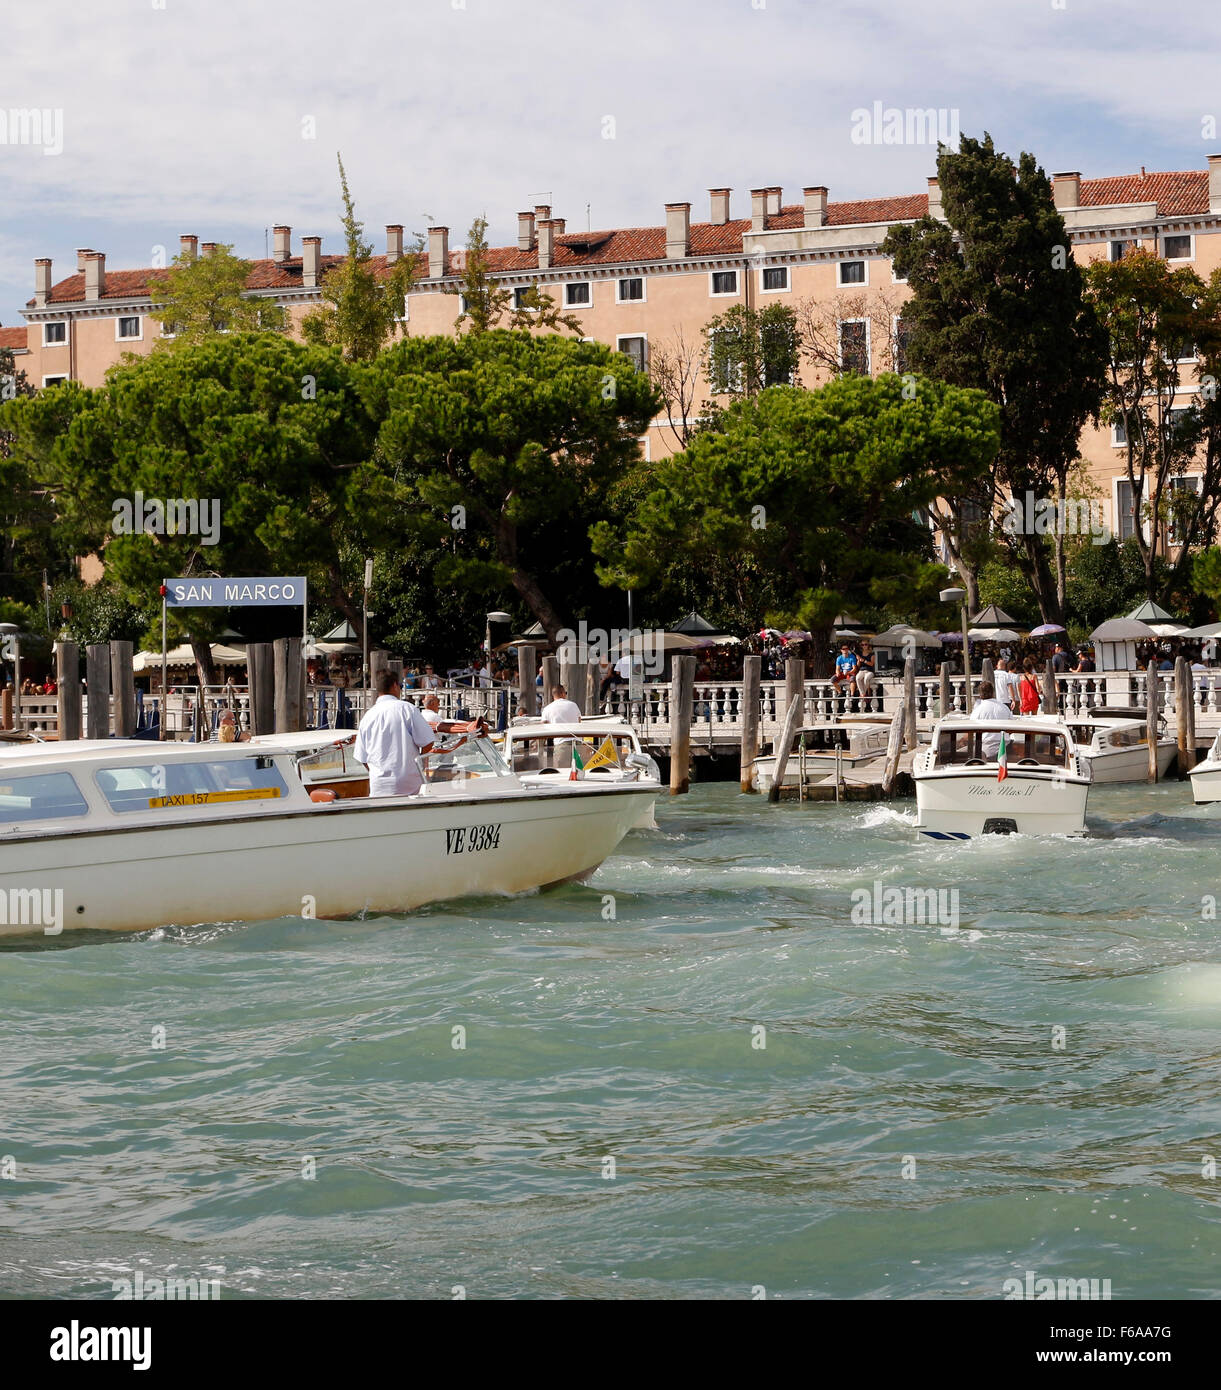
845	668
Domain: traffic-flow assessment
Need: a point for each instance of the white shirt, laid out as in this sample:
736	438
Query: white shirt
562	712
389	738
991	709
433	716
1006	687
623	667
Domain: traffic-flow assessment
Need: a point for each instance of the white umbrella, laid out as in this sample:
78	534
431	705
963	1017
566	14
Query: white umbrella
1122	630
994	634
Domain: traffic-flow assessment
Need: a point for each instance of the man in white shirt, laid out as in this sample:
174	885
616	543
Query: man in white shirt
987	706
1006	685
562	710
391	736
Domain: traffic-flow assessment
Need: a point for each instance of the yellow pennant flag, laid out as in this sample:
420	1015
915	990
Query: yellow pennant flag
604	757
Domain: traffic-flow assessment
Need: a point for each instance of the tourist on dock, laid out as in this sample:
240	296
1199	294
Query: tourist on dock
390	736
1006	683
562	710
1059	662
863	676
1028	689
845	669
430	680
987	706
1085	662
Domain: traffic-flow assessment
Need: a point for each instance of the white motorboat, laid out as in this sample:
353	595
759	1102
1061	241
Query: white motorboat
129	835
961	792
819	748
606	749
1206	776
1115	744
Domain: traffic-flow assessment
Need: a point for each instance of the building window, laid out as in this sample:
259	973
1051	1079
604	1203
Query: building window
128	328
1120	249
724	282
54	380
1119	435
54	332
852	273
1125	507
578	294
631	290
462	305
895	277
902	336
1178	248
854	346
724	363
519	298
637	348
1180	485
776	277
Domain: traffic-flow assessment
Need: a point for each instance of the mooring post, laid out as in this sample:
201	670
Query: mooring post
752	672
97	681
894	748
287	683
909	702
123	688
68	685
1051	698
1182	715
527	691
944	693
792	722
593	687
682	706
1153	703
261	674
551	678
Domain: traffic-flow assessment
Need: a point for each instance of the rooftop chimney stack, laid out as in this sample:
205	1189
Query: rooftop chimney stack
1214	183
720	206
934	200
311	261
95	275
1066	190
207	248
394	243
678	231
82	255
438	252
282	238
758	208
42	283
525	231
542	213
189	247
815	206
546	241
773	201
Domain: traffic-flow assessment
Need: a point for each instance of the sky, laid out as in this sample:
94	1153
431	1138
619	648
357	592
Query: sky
221	118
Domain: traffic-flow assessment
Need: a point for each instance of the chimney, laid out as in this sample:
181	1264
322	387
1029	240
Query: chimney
207	248
282	244
1214	183
816	206
438	252
720	206
758	208
546	242
934	200
525	231
189	246
394	243
773	200
95	275
678	231
558	224
1066	190
311	261
82	255
42	283
542	213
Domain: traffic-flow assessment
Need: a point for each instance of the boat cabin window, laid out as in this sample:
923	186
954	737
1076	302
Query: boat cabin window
958	746
549	753
40	796
471	758
161	786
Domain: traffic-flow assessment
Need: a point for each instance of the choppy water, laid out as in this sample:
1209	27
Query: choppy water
587	1039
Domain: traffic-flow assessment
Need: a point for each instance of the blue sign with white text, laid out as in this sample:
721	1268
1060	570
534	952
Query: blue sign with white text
235	593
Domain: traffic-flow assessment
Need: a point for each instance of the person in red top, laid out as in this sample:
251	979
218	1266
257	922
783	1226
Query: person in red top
1028	689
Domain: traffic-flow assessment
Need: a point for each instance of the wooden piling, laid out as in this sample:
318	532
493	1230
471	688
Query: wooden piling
97	682
527	691
6	708
1051	697
68	686
752	671
894	748
987	672
593	688
551	678
1191	718
682	704
287	687
123	688
261	674
909	702
792	722
1153	704
572	678
945	692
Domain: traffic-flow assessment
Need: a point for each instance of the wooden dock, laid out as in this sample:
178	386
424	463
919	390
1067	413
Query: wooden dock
860	784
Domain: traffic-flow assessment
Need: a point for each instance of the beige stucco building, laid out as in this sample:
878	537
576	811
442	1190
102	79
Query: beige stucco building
650	291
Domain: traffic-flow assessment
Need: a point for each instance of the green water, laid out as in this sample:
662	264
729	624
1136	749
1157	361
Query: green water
890	1049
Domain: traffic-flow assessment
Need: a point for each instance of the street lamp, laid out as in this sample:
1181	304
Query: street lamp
10	646
959	596
496	617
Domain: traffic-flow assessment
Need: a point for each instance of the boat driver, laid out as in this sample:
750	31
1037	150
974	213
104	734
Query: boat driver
391	735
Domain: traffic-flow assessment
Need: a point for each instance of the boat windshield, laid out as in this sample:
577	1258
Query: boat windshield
469	757
541	752
42	796
151	786
964	745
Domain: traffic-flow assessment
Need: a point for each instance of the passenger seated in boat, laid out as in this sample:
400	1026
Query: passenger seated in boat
987	706
391	735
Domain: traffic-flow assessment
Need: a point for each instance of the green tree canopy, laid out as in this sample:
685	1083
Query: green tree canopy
204	295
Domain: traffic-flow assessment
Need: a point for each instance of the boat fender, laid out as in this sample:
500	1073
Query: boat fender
324	794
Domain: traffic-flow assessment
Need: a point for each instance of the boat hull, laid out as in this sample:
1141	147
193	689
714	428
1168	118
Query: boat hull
1128	764
384	855
1206	783
960	805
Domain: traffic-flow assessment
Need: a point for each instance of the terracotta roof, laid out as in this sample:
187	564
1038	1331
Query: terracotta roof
1176	194
13	338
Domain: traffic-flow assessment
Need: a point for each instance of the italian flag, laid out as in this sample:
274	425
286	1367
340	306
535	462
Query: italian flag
578	766
1002	760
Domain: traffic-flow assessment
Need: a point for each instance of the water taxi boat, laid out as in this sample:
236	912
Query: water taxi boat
607	750
129	835
963	790
1116	745
1206	776
819	748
